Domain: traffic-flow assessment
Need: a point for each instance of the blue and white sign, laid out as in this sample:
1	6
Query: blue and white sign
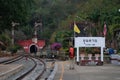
89	42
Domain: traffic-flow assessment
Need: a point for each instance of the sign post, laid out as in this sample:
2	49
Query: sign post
90	42
78	55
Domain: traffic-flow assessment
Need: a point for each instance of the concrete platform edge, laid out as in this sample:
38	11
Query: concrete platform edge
52	75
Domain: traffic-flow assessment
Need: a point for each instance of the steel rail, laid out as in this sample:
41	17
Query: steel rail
44	69
25	74
8	59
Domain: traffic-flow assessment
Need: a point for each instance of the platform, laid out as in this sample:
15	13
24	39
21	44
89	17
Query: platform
105	72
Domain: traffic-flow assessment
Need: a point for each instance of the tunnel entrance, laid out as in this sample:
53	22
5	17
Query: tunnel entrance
33	49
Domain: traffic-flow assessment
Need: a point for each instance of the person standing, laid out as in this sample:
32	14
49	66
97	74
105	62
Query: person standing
71	55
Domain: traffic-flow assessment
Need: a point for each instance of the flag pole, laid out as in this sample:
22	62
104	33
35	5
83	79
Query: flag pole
74	41
104	35
74	36
77	55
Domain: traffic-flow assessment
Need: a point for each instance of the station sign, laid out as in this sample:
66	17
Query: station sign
89	42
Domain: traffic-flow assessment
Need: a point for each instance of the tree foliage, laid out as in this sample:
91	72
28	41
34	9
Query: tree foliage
13	10
58	15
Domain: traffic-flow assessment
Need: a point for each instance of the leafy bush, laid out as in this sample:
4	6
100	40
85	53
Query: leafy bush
13	49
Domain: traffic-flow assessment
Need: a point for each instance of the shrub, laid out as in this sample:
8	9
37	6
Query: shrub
13	49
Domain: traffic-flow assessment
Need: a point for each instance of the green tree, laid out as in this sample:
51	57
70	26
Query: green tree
13	10
5	39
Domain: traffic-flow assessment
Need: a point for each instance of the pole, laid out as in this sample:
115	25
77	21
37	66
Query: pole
12	35
13	31
77	59
35	32
102	56
78	56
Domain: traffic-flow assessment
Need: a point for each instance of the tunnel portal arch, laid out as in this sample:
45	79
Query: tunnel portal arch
33	48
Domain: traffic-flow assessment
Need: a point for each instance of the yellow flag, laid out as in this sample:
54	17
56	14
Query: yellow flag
76	29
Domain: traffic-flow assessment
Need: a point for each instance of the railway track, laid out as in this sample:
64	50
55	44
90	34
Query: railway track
34	67
8	61
35	72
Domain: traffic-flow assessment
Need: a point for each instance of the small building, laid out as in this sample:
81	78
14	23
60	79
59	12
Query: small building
30	46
